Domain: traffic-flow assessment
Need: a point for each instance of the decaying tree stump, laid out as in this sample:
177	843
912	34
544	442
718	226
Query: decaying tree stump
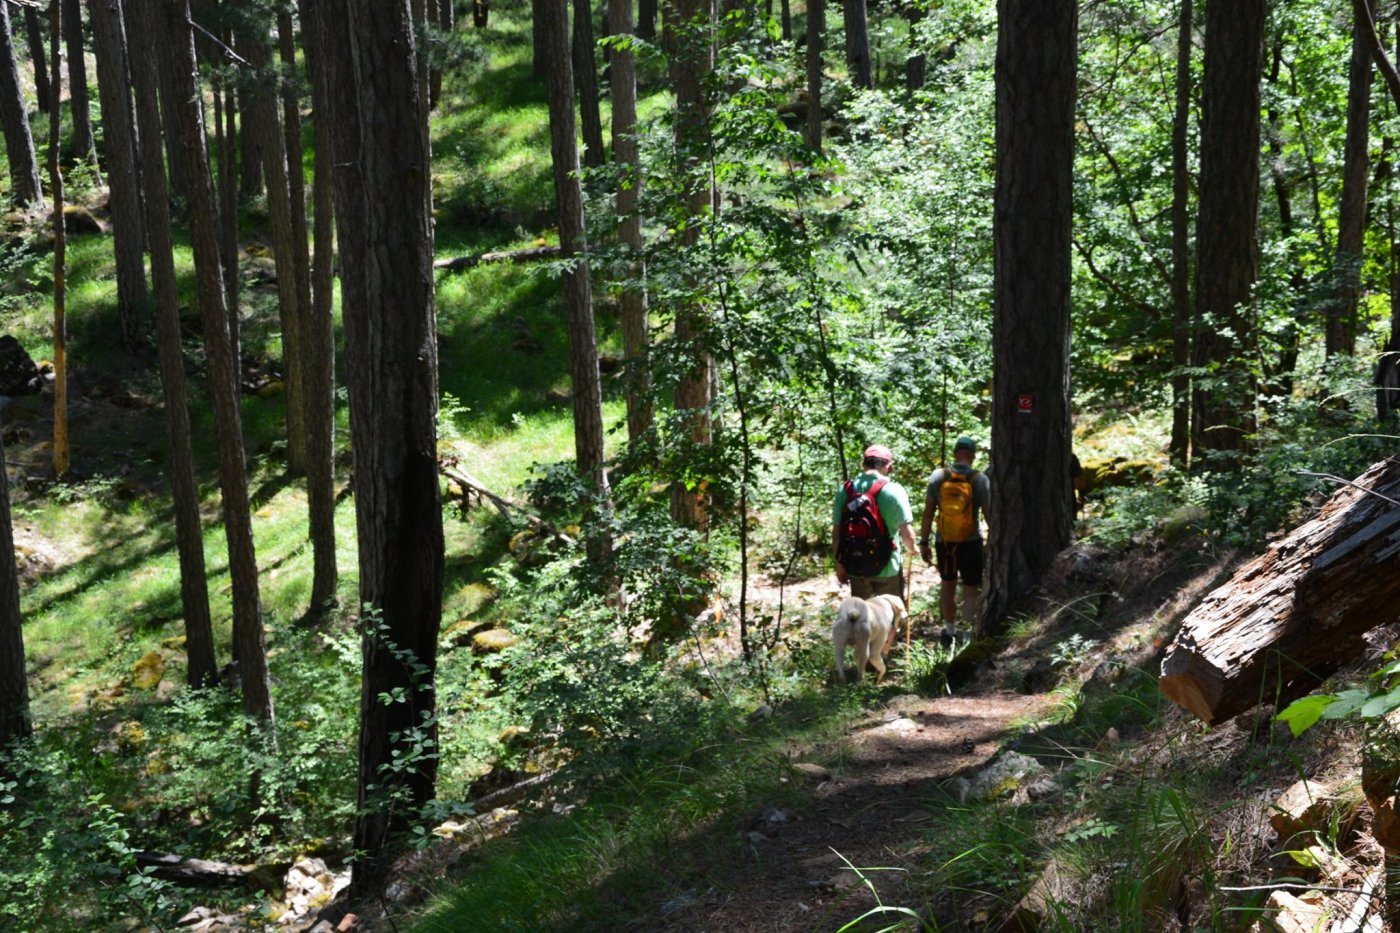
1296	613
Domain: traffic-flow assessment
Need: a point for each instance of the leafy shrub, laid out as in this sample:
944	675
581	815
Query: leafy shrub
66	858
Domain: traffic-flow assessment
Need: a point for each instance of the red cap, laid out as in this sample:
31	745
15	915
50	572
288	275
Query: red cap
879	451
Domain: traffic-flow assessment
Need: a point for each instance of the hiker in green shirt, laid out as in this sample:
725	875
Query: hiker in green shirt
860	541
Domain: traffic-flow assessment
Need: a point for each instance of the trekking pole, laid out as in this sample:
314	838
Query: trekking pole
909	603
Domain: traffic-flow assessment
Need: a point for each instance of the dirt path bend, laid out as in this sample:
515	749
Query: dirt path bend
893	768
869	804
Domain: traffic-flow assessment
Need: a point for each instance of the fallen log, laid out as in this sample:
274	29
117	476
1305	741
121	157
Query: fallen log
1293	615
204	873
533	254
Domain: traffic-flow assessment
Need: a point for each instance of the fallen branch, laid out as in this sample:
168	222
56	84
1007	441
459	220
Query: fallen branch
533	254
508	509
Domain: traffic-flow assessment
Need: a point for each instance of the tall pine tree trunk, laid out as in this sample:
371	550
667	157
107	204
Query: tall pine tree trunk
1032	508
14	688
25	186
857	43
692	60
81	111
1227	249
1387	374
319	332
250	159
228	215
916	67
635	338
646	20
816	30
249	640
1181	243
578	289
168	105
1280	374
261	111
119	138
586	80
537	61
34	30
202	666
61	452
1351	221
384	226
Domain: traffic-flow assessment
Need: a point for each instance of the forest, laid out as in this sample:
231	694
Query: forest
420	424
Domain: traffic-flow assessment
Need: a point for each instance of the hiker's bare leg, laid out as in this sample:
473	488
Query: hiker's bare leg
947	602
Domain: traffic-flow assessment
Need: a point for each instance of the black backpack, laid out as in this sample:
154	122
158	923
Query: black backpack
865	543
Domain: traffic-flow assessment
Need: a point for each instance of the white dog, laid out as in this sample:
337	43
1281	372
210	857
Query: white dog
867	624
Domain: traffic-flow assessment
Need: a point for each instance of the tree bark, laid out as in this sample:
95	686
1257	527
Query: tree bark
249	641
1227	248
1340	331
250	158
916	66
84	146
34	30
120	143
578	290
168	108
261	112
816	30
537	61
1280	374
1181	243
202	666
785	19
635	338
692	60
857	43
447	21
61	452
1297	612
227	154
586	80
14	688
646	20
319	333
1387	375
23	162
384	226
1032	508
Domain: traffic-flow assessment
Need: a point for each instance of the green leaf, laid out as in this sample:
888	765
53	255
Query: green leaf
1378	706
1302	714
1305	857
1347	702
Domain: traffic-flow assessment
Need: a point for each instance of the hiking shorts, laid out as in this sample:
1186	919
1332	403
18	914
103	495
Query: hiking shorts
866	587
960	560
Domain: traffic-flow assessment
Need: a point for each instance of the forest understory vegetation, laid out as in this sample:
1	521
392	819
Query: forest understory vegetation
647	741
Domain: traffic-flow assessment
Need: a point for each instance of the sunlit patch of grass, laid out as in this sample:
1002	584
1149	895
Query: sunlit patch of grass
118	595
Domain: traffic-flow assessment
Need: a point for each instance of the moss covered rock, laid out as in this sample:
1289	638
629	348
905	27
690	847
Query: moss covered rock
147	673
492	641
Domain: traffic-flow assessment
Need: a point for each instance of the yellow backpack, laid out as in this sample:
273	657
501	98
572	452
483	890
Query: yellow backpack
956	516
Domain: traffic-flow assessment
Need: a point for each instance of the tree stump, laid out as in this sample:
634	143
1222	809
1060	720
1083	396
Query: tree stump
1293	615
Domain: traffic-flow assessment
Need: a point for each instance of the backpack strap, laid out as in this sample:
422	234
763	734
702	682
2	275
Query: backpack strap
872	492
